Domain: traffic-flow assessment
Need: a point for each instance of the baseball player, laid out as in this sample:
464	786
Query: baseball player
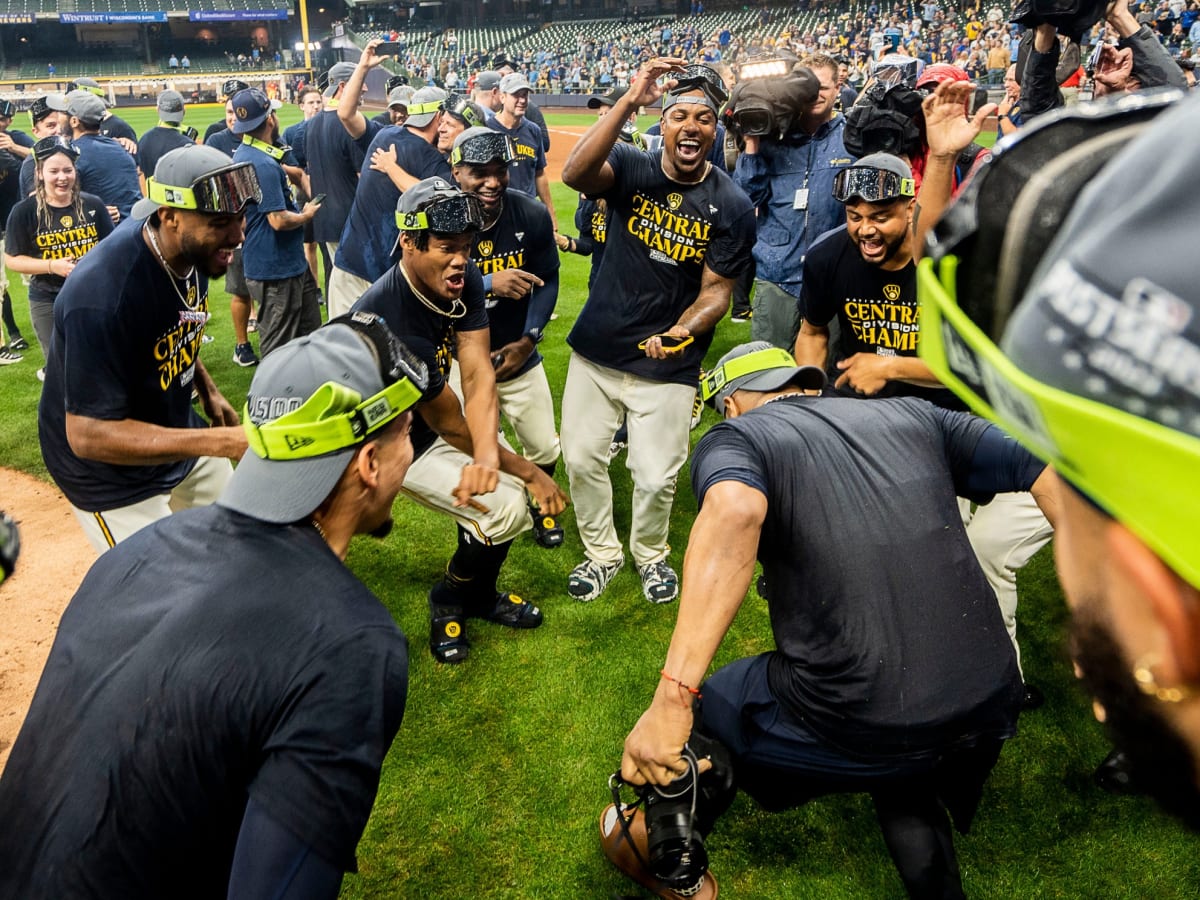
192	737
434	299
515	253
118	432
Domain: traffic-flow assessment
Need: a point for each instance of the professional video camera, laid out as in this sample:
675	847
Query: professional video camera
677	816
771	95
885	119
1073	18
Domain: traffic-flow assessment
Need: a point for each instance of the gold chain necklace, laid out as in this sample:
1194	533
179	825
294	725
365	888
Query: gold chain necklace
457	310
175	278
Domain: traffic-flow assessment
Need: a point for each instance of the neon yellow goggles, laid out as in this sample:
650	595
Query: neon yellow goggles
758	361
332	419
1092	445
225	191
336	417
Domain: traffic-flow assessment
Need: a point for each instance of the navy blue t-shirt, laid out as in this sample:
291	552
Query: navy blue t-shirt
225	141
531	158
522	238
28	177
890	641
107	170
661	235
429	334
172	696
294	137
156	143
334	160
367	241
124	347
115	127
10	171
267	254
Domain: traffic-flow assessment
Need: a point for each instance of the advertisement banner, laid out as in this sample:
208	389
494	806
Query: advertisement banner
236	15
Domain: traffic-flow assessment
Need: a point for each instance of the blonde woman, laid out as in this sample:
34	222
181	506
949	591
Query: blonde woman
49	231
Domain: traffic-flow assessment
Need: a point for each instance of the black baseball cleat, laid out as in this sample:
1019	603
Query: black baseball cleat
1115	774
448	634
511	611
546	530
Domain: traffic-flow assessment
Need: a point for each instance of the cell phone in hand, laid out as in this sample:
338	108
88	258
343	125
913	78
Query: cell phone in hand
318	200
389	48
668	341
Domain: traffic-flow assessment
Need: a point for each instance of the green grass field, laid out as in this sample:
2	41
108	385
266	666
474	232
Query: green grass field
495	783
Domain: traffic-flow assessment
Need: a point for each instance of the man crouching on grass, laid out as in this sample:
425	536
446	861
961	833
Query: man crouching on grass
218	702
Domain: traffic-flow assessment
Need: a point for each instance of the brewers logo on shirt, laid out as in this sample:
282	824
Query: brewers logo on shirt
485	248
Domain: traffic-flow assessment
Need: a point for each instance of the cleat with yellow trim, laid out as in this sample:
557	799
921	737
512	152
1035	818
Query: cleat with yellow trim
546	530
511	611
447	633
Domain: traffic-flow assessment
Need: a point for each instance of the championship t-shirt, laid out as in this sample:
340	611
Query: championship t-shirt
877	310
173	694
592	221
367	241
869	576
62	234
660	236
334	160
267	254
428	333
125	346
531	158
522	238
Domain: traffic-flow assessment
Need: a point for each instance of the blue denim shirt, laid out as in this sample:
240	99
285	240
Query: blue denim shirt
771	178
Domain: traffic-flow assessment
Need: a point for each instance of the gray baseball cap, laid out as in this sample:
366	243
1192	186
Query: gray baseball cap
772	378
183	167
510	84
170	106
92	86
340	72
86	107
289	489
401	96
426	103
487	80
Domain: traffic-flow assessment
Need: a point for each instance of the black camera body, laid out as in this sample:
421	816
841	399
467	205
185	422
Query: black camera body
771	106
675	847
885	119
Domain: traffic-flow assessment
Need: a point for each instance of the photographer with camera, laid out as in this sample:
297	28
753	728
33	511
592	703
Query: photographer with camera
912	701
788	175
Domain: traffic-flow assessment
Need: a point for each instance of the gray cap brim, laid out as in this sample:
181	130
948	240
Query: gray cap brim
143	209
282	491
809	378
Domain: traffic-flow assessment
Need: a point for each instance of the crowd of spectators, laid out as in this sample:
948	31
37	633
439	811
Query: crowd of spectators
976	39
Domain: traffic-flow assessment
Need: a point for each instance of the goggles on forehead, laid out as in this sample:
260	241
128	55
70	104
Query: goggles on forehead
704	78
232	86
225	191
416	109
982	258
483	149
336	417
739	367
394	82
463	109
452	214
7	109
871	184
57	143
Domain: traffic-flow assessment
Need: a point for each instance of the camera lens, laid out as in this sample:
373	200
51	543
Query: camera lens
753	120
676	850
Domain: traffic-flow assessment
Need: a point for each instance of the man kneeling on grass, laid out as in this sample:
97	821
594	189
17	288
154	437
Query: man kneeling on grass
892	674
222	691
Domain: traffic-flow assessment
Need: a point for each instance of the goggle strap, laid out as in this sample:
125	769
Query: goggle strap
758	361
419	108
342	420
180	198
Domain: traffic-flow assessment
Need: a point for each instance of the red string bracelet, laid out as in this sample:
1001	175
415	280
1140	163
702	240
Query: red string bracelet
695	692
